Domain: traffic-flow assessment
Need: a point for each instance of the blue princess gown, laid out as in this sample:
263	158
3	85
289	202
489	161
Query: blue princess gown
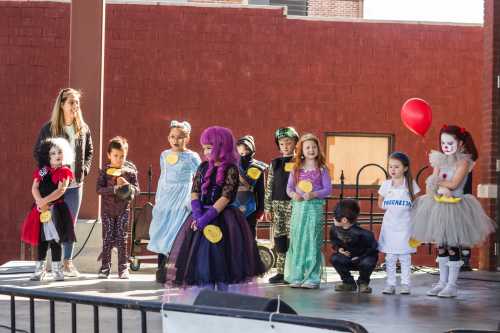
173	198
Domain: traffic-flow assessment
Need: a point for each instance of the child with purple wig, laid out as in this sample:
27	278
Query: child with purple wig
215	246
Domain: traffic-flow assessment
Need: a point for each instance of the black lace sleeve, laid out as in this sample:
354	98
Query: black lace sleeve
230	186
196	188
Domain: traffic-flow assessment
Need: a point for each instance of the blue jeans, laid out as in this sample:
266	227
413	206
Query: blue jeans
72	198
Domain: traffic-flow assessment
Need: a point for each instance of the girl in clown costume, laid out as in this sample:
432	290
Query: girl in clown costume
445	215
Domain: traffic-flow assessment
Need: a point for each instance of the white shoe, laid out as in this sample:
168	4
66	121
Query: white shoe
405	289
436	289
69	269
40	271
310	285
389	290
443	276
449	291
451	287
295	285
57	273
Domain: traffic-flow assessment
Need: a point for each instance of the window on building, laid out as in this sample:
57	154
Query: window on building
349	152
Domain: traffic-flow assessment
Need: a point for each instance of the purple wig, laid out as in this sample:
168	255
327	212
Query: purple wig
223	150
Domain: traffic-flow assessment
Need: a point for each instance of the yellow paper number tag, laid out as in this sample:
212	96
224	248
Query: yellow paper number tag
254	173
445	199
288	166
172	158
305	186
45	216
212	233
114	172
414	243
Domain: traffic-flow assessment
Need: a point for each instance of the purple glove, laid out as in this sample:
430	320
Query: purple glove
197	209
208	217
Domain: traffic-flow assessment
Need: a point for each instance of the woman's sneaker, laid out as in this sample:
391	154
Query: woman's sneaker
69	269
389	290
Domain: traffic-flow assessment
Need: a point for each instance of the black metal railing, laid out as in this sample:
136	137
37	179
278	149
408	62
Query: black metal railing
152	306
76	299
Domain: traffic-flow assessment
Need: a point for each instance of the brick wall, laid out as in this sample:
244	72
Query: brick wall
34	40
490	112
332	8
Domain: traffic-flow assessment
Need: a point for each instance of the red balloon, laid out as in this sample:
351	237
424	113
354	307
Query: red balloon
416	115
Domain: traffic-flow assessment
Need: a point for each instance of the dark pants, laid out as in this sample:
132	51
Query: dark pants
343	265
252	222
114	234
55	250
162	260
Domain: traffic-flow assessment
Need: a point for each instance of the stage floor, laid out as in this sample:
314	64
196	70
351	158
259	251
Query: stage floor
476	307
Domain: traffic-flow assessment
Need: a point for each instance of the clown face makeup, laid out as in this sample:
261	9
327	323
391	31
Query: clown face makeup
449	144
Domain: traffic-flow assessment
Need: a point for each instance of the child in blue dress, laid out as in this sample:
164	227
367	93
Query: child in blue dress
173	194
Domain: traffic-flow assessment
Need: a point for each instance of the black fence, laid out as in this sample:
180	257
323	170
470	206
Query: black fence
145	307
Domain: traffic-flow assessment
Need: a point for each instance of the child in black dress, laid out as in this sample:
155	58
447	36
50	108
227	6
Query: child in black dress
50	222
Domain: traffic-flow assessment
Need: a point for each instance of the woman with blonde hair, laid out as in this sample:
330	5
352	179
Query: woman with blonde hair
67	122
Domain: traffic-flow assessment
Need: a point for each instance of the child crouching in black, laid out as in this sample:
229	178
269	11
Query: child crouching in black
356	248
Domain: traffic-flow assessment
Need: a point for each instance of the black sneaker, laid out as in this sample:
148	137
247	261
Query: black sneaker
365	288
161	275
466	268
345	287
278	278
103	273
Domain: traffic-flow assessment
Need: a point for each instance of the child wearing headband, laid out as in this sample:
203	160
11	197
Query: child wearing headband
173	193
396	197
